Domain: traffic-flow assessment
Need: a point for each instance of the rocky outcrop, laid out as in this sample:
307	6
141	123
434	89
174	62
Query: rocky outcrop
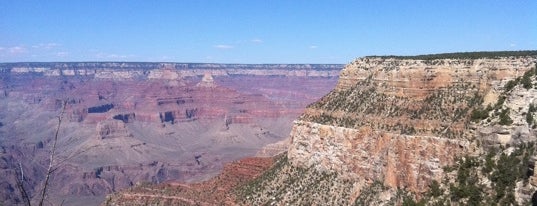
399	161
271	150
206	81
399	121
414	96
418	78
112	129
519	101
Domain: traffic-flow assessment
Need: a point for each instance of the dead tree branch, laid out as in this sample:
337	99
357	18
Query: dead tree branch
50	169
20	185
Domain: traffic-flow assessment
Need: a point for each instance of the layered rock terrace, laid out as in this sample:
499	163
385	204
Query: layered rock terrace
399	121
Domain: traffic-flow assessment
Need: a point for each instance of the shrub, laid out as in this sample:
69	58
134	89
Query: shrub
479	114
529	118
526	81
468	182
532	108
435	189
500	102
504	117
510	85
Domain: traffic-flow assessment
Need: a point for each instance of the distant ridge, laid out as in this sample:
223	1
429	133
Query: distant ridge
170	65
464	55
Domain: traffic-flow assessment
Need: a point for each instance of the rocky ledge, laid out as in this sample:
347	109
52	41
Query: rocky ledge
216	191
398	120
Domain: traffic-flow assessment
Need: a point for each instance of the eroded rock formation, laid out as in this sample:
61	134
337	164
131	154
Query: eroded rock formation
112	129
392	129
398	121
397	130
126	123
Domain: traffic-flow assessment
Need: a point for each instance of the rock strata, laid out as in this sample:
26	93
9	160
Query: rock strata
127	123
399	161
399	121
216	191
399	130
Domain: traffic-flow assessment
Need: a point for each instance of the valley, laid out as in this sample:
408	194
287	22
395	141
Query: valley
131	123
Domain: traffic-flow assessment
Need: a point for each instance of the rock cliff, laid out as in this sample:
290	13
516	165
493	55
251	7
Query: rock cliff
399	121
406	124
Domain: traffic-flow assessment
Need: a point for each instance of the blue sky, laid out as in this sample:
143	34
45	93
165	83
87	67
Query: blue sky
255	31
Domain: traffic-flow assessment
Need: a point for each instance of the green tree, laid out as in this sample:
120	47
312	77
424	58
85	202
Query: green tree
504	117
435	189
526	81
510	85
529	118
479	114
532	108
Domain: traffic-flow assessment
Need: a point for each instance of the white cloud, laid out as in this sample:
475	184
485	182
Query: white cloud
165	58
16	50
105	56
257	41
512	45
116	56
313	47
40	50
62	54
223	46
45	45
100	55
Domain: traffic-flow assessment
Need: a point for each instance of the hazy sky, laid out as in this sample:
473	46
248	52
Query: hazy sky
255	31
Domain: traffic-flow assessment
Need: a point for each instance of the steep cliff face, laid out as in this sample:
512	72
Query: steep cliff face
403	122
413	96
398	121
400	161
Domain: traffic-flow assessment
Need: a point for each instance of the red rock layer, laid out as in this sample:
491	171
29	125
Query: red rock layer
216	191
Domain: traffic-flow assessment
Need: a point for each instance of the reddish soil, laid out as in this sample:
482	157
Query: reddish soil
216	191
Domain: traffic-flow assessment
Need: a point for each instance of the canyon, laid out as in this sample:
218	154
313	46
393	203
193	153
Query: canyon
126	123
455	129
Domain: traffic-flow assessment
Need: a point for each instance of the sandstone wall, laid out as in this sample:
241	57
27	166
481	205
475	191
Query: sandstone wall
416	78
399	121
397	160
